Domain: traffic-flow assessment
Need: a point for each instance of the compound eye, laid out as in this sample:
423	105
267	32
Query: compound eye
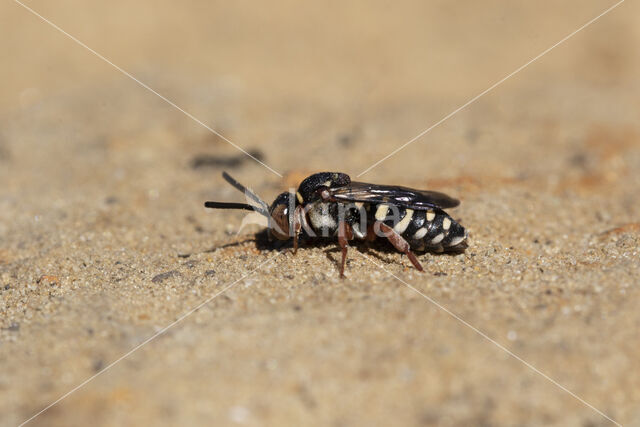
279	226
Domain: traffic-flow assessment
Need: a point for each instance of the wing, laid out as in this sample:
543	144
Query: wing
393	194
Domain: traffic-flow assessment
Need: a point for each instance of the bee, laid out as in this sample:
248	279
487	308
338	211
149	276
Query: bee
330	205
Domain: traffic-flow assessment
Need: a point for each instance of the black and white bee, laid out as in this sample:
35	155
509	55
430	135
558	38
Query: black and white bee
329	205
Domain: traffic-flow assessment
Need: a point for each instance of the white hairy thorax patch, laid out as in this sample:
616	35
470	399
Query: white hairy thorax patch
320	218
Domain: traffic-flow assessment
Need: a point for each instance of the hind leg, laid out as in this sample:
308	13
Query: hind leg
399	243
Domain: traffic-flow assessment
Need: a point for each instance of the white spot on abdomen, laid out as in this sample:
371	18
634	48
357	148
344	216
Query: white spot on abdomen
420	233
457	240
402	225
381	212
446	223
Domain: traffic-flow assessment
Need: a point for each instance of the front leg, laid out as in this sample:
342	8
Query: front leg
399	243
298	220
345	233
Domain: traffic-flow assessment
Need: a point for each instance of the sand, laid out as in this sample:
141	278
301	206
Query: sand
104	241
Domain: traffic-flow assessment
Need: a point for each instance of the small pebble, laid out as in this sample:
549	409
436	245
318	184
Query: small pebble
164	276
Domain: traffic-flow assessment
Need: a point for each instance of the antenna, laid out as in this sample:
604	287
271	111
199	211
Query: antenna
253	196
263	209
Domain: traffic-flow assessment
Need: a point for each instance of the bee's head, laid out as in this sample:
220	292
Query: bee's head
281	216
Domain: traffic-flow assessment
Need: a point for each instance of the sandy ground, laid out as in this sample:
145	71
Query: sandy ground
104	240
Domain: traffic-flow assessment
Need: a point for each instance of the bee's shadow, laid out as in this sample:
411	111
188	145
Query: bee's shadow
264	242
332	249
374	249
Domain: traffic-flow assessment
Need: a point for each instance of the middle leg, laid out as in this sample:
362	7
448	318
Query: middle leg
345	233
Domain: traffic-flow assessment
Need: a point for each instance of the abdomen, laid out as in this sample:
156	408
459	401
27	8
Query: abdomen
425	230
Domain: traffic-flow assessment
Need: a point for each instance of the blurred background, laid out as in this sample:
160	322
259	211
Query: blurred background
103	238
